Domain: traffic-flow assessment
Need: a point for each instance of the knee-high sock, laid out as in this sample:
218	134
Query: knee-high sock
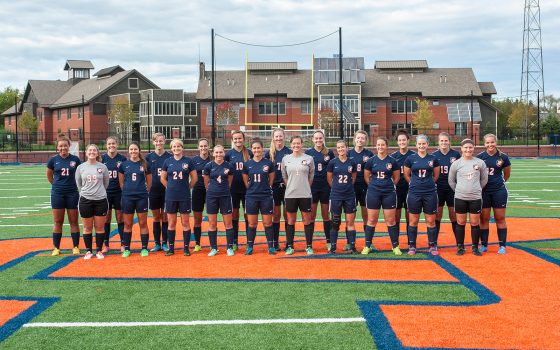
186	239
99	239
460	236
269	233
164	231
276	228
213	238
171	239
454	226
120	227
290	234
229	237
107	227
145	239
75	239
369	232
432	236
127	238
484	234
412	233
327	229
197	234
308	229
394	235
156	231
56	237
502	236
438	226
475	235
352	237
334	238
88	242
235	224
251	234
347	238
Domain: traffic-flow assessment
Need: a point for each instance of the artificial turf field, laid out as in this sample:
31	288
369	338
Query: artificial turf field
278	302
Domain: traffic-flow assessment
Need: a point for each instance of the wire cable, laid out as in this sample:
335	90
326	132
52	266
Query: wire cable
283	45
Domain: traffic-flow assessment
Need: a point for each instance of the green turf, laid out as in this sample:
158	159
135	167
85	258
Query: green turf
550	248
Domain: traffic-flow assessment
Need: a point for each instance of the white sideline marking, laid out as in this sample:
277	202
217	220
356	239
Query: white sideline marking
26	225
192	323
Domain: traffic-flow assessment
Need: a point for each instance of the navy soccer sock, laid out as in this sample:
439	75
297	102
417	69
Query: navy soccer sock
156	230
290	234
88	240
171	240
432	236
56	237
197	234
186	239
308	229
369	232
352	237
327	228
251	235
460	236
164	232
213	237
438	227
99	238
475	235
412	233
334	238
120	228
269	233
502	236
276	238
127	238
229	237
235	224
144	238
484	234
394	235
75	239
108	233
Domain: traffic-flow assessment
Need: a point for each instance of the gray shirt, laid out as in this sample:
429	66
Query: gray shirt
467	178
92	180
298	173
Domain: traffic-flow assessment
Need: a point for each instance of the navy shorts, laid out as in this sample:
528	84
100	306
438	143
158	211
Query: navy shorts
361	193
321	193
65	200
92	207
337	205
157	202
131	204
222	204
198	199
401	198
446	196
495	199
255	204
114	200
416	203
183	207
473	206
278	191
376	200
238	199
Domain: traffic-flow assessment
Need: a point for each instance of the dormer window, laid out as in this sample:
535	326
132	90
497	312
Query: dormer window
133	83
81	73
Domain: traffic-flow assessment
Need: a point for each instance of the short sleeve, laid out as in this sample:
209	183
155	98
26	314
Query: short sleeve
165	165
408	162
78	161
395	165
50	163
355	167
246	168
506	161
436	162
271	167
231	168
368	165
121	168
207	169
330	166
147	170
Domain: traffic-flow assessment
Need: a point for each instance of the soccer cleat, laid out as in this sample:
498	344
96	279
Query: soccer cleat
197	248
309	251
186	252
126	254
411	251
100	255
397	251
55	252
156	248
347	248
366	250
122	249
249	251
329	246
165	247
483	249
277	247
434	251
289	251
144	252
476	252
502	250
105	249
353	250
272	251
230	252
234	247
170	253
372	247
332	251
213	252
75	251
460	251
88	255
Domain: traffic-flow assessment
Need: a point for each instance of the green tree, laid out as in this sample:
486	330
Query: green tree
505	108
523	116
329	120
7	99
551	125
27	125
424	118
121	114
226	114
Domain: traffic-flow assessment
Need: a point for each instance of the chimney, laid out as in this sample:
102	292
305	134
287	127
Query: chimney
201	70
441	79
445	78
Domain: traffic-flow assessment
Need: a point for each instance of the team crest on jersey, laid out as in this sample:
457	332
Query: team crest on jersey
327	158
476	167
431	163
452	159
304	162
349	168
365	158
389	166
141	168
72	164
226	171
185	166
499	163
99	170
266	168
119	164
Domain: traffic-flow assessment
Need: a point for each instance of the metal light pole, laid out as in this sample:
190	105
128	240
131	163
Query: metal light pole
405	111
340	82
149	123
538	123
472	123
213	94
17	138
84	128
277	108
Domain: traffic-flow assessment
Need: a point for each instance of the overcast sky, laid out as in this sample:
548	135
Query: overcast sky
164	39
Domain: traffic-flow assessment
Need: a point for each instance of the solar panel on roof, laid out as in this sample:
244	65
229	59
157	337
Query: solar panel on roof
461	112
352	70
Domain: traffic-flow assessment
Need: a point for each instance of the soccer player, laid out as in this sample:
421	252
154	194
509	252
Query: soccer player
320	189
258	176
237	156
421	171
199	191
298	170
92	179
277	151
61	171
445	156
467	177
400	156
341	175
113	160
359	155
218	176
495	193
381	174
135	180
157	192
175	175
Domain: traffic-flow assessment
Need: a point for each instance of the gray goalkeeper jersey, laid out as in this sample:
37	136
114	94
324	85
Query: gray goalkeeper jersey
298	173
92	180
467	178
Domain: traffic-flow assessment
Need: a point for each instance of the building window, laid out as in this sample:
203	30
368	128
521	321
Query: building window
190	108
168	108
269	108
435	102
80	112
58	132
58	115
133	83
407	127
351	102
81	73
265	127
191	132
370	106
69	113
306	107
461	128
398	106
40	116
307	127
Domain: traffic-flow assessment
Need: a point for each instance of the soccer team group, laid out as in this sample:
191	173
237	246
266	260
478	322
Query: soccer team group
265	180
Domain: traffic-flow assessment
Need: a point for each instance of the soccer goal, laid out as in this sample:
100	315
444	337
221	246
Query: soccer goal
266	135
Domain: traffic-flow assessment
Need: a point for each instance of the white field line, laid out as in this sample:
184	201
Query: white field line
23	197
192	323
529	182
45	188
27	225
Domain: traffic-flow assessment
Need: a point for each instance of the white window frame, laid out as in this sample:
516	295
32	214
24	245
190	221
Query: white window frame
137	84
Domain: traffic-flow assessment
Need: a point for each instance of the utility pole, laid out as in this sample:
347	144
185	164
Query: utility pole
405	111
277	108
84	128
538	123
17	137
472	123
213	84
340	82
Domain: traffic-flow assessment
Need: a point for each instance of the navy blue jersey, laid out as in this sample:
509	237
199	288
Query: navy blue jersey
400	158
277	162
321	163
258	173
155	164
113	165
342	186
64	173
235	158
199	165
381	179
445	161
495	165
178	178
421	173
360	160
218	174
134	178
